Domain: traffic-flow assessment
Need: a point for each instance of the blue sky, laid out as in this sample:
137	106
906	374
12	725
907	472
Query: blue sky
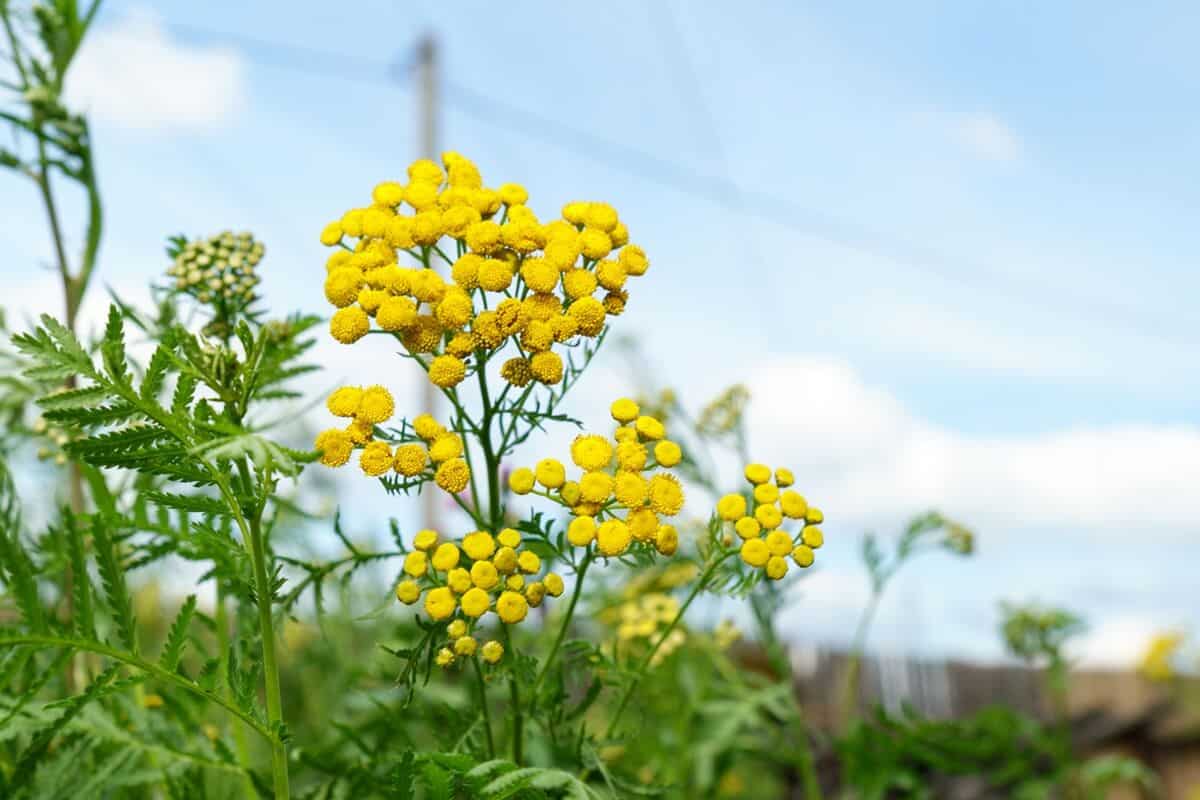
955	269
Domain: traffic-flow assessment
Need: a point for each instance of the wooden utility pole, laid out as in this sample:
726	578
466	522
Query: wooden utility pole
427	140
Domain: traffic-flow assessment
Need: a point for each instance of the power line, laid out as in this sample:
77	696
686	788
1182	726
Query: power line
650	167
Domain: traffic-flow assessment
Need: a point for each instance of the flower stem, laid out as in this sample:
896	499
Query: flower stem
640	672
264	592
566	623
239	733
483	707
518	744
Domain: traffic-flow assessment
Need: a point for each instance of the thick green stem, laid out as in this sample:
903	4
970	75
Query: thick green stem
239	733
483	707
566	623
264	591
514	691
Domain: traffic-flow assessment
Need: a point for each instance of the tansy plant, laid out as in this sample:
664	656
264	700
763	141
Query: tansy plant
500	311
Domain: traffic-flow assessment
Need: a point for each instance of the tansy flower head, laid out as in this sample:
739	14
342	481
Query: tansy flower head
764	531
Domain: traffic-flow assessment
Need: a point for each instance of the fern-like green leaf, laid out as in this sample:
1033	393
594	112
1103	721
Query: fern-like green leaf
178	635
84	616
36	751
193	503
112	576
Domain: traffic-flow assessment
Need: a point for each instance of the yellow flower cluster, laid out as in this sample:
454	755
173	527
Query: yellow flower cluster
765	543
464	580
616	502
1156	663
438	456
512	278
643	621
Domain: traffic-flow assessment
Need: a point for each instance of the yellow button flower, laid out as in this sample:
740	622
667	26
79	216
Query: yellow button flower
509	537
643	524
630	489
476	602
591	452
755	552
768	516
425	539
747	527
776	568
766	493
666	540
447	371
779	543
547	367
459	580
595	487
335	446
813	537
521	480
505	560
758	473
456	629
415	563
445	558
410	460
453	475
376	405
650	428
667	453
439	603
793	504
445	447
581	531
348	325
535	593
376	459
344	402
484	574
803	556
784	477
624	410
631	455
666	495
511	607
554	584
492	652
445	657
814	516
408	592
613	537
550	473
528	562
731	507
479	545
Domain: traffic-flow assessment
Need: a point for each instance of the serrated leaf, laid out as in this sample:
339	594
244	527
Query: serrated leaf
193	503
178	635
112	576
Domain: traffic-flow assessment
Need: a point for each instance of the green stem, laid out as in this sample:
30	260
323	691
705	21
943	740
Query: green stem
264	592
640	671
239	733
566	623
483	706
805	762
137	662
514	691
850	687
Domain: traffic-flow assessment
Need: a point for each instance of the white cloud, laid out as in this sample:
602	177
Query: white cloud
986	136
1115	643
862	452
134	75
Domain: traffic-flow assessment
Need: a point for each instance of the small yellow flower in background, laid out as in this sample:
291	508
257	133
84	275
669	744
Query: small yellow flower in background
766	541
492	652
1156	663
